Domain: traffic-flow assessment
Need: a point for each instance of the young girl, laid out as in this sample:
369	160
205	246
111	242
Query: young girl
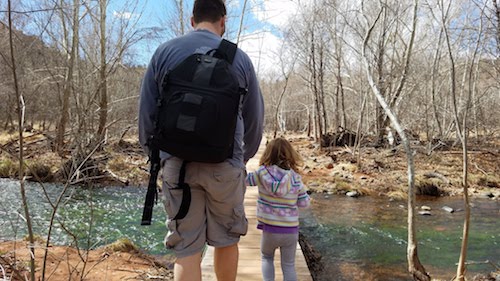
281	193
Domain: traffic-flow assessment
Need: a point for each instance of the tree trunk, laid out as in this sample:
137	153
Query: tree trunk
496	10
321	77
309	123
314	78
103	85
240	27
68	79
379	111
357	143
278	106
20	115
181	15
435	73
342	100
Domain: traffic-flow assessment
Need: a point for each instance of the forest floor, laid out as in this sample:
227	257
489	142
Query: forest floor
334	170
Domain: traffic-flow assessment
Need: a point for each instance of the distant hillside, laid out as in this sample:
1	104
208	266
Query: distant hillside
41	71
29	49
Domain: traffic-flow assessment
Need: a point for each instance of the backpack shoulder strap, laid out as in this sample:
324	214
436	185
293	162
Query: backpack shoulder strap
226	51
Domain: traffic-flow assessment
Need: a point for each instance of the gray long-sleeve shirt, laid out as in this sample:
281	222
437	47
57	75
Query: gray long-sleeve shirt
249	125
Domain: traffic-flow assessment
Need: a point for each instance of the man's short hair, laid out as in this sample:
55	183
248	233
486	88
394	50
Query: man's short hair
208	10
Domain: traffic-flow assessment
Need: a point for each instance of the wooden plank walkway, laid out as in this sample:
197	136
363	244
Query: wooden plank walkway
249	265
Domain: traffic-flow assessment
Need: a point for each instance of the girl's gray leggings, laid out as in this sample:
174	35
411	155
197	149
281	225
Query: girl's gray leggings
287	243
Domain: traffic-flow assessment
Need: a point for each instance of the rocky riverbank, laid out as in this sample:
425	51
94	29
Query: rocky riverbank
331	170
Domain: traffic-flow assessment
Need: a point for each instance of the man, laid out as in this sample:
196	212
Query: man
216	215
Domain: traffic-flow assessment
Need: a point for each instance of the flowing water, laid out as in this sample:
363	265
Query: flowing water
101	214
366	238
359	238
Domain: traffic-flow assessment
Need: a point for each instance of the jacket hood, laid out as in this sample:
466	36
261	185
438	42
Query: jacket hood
275	180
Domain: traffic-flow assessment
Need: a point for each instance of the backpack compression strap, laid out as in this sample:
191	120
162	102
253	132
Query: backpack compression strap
152	193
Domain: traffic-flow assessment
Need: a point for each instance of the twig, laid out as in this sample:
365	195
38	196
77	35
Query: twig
14	270
116	177
3	273
130	270
479	169
159	277
482	262
88	179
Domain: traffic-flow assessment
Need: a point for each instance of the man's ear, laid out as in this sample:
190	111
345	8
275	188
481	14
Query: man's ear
223	25
192	22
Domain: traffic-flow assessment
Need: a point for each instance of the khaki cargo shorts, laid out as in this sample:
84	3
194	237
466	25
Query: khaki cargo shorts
216	215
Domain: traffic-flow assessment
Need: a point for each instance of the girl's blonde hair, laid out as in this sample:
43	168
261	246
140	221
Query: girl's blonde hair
280	152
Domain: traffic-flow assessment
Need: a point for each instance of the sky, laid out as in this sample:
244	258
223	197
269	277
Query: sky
262	23
260	38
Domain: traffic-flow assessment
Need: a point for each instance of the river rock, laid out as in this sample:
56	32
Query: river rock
424	213
448	209
486	195
352	194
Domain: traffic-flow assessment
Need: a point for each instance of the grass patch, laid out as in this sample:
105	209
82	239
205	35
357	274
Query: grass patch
342	168
119	163
434	159
398	194
40	170
122	245
36	238
487	181
6	137
343	186
8	168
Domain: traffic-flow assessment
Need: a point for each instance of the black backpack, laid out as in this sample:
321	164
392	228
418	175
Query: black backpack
197	114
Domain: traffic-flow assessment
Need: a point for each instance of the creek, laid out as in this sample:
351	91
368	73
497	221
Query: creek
96	217
358	238
365	238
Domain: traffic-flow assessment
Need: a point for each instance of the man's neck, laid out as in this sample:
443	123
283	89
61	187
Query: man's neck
207	26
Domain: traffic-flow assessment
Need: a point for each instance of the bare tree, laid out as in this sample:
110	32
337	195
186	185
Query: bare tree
496	12
286	76
177	20
20	119
105	44
461	126
103	84
312	52
340	110
71	53
240	28
414	265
